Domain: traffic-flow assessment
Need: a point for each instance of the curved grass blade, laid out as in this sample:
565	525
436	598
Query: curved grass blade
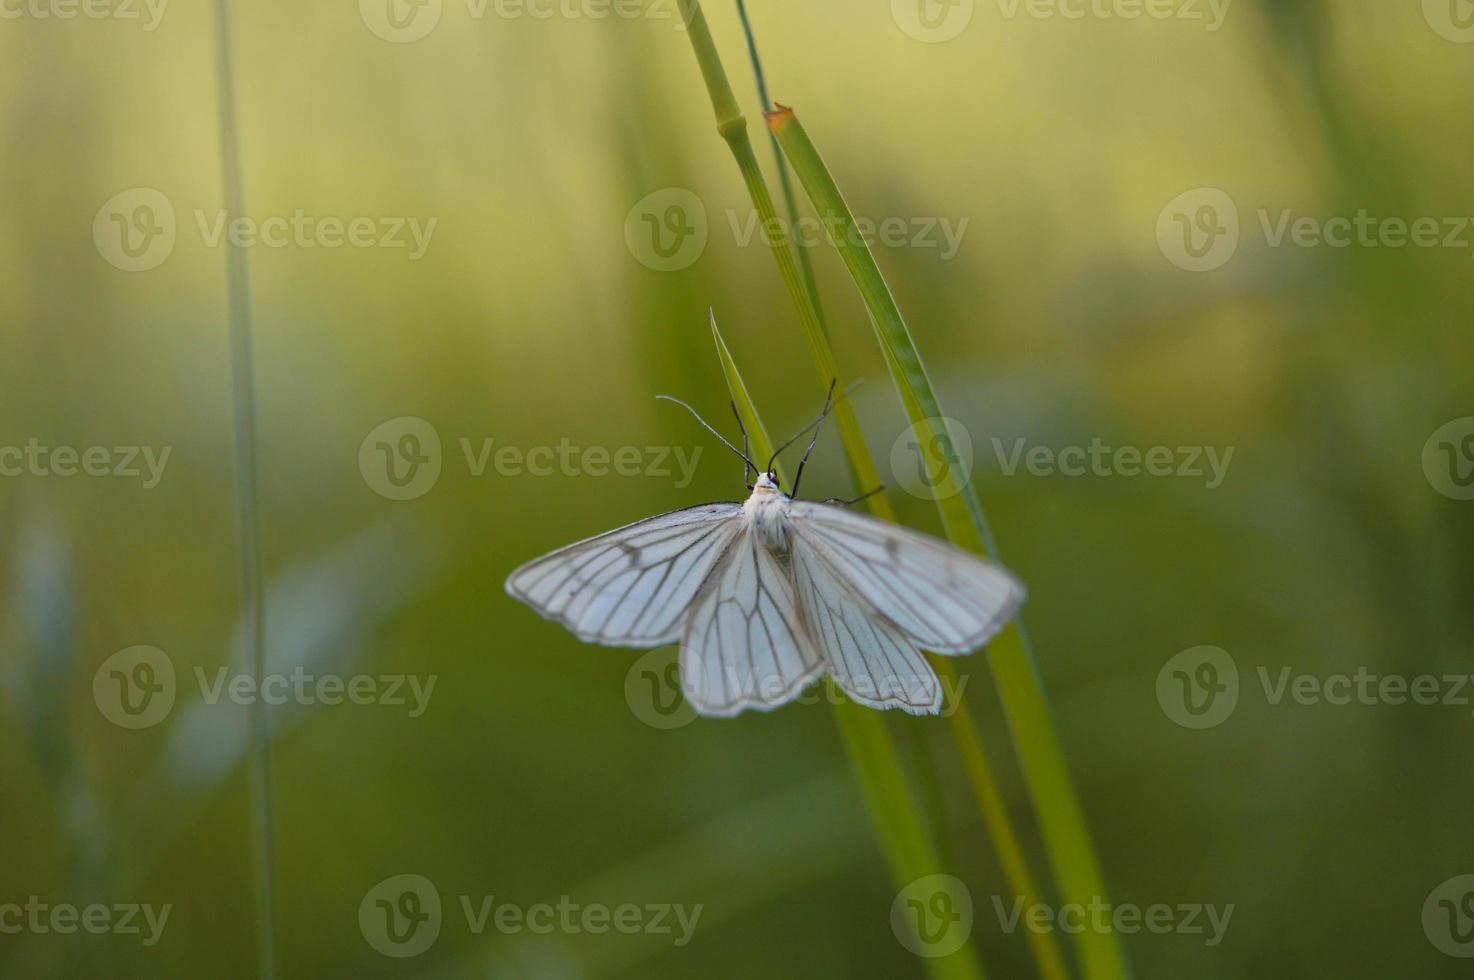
893	809
1041	756
986	794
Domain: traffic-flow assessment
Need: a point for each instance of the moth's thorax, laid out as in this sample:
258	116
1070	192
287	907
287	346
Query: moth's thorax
767	510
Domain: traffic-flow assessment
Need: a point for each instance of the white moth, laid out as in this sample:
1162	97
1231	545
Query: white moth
768	595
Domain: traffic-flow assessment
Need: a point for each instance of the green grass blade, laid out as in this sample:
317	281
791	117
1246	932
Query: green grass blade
877	766
732	127
964	731
1041	756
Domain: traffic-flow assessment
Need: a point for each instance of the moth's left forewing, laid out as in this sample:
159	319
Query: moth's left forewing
632	586
941	597
745	645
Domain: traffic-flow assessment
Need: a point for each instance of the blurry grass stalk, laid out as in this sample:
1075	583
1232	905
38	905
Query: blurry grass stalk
733	128
1041	757
238	296
806	266
898	823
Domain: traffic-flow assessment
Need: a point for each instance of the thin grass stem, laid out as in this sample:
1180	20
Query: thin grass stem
248	502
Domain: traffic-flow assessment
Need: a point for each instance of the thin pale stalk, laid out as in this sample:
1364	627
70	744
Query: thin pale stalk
1020	687
248	505
790	202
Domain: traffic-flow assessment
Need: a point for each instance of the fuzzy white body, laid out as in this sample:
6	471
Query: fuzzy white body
767	512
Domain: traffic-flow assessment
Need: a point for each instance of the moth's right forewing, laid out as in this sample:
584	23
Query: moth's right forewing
871	660
943	598
634	585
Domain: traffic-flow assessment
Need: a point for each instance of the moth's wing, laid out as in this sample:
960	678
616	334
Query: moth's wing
632	586
943	598
872	661
745	645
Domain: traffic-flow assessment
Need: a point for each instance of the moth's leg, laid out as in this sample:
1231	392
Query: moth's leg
854	500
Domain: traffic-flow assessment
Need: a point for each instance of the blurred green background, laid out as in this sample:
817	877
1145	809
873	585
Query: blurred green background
534	318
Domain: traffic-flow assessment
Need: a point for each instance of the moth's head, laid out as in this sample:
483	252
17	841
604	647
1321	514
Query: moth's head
766	482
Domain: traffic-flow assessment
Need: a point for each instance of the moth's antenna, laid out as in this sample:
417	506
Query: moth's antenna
672	398
746	446
828	404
